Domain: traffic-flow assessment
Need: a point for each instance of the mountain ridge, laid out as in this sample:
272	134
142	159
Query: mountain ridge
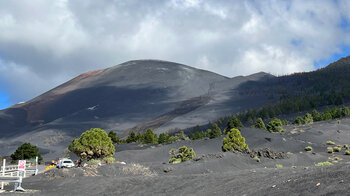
137	95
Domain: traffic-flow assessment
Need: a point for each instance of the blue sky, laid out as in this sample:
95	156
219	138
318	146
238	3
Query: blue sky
224	36
4	100
345	51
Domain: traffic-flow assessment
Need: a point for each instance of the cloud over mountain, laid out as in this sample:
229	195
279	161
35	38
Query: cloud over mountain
44	43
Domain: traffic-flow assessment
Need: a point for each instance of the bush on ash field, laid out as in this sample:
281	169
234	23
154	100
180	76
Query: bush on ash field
259	124
92	144
234	141
181	155
275	126
26	151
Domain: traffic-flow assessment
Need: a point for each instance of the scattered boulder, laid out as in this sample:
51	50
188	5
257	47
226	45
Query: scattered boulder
209	156
268	153
168	169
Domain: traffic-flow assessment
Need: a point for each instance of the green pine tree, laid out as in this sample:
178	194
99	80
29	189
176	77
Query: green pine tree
234	141
259	124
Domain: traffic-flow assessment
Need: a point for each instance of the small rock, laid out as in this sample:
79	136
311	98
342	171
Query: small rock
273	186
168	169
123	163
318	184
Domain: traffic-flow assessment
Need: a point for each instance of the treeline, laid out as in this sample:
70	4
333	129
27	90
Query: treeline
273	126
327	114
152	138
211	133
147	138
291	104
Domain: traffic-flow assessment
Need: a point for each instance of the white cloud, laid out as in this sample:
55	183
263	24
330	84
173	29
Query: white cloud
43	43
272	59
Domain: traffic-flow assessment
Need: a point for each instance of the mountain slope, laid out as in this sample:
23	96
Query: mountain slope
142	94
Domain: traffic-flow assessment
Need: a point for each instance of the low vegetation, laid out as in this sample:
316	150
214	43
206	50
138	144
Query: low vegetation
279	166
325	163
214	132
259	124
330	142
336	149
109	160
234	141
181	155
93	162
256	158
152	138
275	126
149	137
138	169
92	144
329	149
234	122
347	152
25	152
308	148
115	139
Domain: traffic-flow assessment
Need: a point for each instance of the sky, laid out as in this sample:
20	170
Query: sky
45	43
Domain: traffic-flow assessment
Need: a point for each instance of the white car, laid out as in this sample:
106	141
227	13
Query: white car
65	163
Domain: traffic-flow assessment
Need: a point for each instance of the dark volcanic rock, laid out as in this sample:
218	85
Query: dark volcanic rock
268	153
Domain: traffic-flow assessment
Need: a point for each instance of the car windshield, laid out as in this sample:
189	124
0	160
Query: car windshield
67	161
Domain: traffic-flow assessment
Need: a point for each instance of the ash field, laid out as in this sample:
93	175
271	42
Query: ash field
213	172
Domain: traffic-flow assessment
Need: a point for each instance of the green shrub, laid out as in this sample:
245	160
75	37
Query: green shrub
346	146
284	122
325	163
234	122
330	143
299	121
139	137
93	162
275	126
175	160
173	139
308	118
308	148
259	124
92	144
347	152
326	114
149	137
181	135
336	113
256	158
214	132
183	154
163	138
26	151
336	149
198	135
115	139
345	111
234	141
132	137
109	160
279	166
316	116
329	149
